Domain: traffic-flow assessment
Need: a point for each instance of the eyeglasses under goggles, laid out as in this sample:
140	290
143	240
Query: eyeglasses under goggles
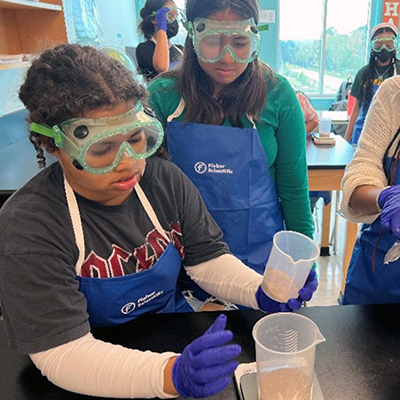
213	39
97	145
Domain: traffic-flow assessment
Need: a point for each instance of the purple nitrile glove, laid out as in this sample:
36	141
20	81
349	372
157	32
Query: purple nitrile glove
268	305
206	365
161	18
389	202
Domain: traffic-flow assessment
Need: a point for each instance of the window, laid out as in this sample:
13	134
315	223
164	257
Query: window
181	36
322	42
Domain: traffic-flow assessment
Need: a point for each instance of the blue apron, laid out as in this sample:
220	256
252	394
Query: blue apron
358	125
229	167
113	301
364	285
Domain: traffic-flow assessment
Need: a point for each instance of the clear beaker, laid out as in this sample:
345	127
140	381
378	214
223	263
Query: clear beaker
289	263
325	126
285	356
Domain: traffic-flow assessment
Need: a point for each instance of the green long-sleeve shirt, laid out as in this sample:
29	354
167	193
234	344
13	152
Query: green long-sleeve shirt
283	137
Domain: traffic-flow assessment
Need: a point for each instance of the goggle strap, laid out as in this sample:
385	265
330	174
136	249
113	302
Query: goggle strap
42	129
188	26
264	27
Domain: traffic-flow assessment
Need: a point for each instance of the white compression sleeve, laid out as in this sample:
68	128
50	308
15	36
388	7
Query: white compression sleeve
92	367
227	278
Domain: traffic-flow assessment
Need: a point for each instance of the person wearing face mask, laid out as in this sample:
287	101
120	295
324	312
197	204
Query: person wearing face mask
382	65
157	54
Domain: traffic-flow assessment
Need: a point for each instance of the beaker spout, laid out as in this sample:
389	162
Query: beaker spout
320	338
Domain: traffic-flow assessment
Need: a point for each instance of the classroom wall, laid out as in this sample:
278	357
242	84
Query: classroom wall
269	39
121	19
10	81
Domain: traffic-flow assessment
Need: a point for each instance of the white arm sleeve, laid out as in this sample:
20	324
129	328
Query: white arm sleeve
92	367
227	278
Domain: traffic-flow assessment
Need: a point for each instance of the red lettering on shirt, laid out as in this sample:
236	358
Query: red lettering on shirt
151	251
94	267
115	260
146	255
176	233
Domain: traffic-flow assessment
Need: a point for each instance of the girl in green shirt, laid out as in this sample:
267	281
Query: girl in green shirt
236	129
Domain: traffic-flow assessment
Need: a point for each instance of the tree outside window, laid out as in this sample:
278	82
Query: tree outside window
322	42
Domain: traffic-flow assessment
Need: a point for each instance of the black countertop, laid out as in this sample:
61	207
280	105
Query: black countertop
359	360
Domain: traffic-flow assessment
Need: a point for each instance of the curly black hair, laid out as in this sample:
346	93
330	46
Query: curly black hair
67	81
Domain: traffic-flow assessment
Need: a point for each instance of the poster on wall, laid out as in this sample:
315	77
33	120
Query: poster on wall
390	12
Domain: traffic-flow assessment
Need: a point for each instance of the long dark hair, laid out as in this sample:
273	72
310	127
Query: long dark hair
146	26
367	79
246	95
69	80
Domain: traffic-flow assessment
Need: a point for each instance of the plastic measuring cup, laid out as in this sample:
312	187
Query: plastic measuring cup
289	263
325	126
285	356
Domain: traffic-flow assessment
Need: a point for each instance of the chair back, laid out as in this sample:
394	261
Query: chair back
131	51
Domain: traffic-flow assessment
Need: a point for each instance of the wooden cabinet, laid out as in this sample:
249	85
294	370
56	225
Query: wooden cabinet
30	26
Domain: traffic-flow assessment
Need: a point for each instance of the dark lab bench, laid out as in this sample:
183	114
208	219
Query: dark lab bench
358	361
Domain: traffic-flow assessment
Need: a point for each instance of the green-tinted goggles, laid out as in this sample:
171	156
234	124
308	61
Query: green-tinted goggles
384	42
212	39
97	145
172	15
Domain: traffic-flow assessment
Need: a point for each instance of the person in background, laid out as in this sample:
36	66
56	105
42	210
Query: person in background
99	238
382	65
310	114
371	195
159	24
236	129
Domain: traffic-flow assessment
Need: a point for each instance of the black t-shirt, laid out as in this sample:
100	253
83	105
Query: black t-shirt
144	55
38	253
379	71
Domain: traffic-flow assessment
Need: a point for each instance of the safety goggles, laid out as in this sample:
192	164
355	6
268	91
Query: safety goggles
383	42
172	15
97	145
213	39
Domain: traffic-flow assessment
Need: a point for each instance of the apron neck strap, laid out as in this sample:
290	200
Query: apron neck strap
73	208
181	107
150	212
178	111
250	118
76	224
